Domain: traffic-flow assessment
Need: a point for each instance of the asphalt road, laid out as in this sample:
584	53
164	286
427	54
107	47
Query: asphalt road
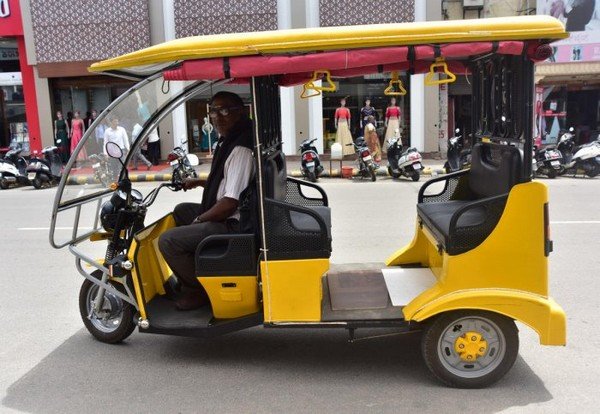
50	364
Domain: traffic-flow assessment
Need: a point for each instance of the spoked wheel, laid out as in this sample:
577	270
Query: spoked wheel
470	349
114	322
415	176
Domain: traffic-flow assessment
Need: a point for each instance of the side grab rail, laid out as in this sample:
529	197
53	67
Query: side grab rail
422	196
301	183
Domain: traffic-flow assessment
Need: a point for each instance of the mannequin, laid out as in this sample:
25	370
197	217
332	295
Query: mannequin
77	130
61	136
365	112
392	121
342	126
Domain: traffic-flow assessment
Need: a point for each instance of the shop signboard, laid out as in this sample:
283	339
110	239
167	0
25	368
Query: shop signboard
582	20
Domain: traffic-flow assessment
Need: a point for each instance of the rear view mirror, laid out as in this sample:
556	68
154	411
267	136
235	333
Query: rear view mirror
457	130
193	159
571	129
113	150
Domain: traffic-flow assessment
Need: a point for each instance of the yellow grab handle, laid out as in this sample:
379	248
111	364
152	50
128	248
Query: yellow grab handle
439	63
310	85
391	90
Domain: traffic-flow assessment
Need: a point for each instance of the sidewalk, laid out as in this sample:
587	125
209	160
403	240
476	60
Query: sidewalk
162	172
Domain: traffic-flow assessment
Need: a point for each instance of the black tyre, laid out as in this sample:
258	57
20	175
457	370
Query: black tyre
470	349
415	176
312	177
4	184
552	173
37	182
593	172
373	175
116	321
447	167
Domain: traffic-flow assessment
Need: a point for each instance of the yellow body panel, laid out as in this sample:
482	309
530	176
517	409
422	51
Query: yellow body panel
292	290
149	262
343	37
507	273
232	296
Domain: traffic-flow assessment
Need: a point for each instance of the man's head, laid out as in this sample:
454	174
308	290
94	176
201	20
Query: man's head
114	122
226	110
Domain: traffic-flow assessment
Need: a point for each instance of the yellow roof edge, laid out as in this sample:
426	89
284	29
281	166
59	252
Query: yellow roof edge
340	37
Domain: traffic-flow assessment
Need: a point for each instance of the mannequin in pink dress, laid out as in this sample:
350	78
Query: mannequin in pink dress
77	130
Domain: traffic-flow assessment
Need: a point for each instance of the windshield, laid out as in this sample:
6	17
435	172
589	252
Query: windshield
90	171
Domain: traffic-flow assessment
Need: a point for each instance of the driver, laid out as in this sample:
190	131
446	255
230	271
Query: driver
230	173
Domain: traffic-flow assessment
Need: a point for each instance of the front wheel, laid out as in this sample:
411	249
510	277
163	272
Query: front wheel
114	323
470	349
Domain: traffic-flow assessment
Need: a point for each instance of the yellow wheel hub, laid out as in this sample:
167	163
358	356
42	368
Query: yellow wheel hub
470	346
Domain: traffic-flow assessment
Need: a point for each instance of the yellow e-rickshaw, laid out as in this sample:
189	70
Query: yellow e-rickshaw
478	261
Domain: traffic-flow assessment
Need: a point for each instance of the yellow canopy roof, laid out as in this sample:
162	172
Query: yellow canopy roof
341	37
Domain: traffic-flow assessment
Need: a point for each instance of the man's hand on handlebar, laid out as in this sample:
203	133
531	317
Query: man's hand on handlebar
190	183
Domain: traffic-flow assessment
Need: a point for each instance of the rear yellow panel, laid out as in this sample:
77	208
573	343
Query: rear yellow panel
292	289
232	296
343	37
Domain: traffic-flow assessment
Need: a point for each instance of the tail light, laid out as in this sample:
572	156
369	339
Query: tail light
548	245
308	157
414	157
365	153
172	157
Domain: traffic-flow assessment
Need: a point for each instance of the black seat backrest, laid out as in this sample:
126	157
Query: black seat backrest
495	169
275	177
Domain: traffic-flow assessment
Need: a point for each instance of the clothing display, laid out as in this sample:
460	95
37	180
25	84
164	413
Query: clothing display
62	139
365	113
372	141
76	134
392	116
343	135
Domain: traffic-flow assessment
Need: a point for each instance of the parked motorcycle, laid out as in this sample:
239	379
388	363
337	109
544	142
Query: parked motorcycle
584	159
548	161
366	164
13	169
45	170
183	164
457	157
310	163
403	163
102	170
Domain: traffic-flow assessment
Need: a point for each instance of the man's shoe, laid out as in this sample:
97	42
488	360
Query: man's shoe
148	167
190	301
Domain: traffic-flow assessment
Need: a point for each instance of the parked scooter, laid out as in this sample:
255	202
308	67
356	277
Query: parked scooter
45	170
310	163
13	169
366	164
548	161
457	157
102	170
407	163
183	164
584	159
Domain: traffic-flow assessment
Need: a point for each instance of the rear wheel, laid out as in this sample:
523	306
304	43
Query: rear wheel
415	176
593	171
114	322
37	182
470	349
4	184
373	175
552	173
312	177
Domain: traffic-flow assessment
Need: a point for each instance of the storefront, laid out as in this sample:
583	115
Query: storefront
568	84
19	124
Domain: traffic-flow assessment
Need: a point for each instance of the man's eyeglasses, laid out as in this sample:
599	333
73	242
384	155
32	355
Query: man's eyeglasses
221	110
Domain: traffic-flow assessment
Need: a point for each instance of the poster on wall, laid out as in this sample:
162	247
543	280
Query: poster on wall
582	21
